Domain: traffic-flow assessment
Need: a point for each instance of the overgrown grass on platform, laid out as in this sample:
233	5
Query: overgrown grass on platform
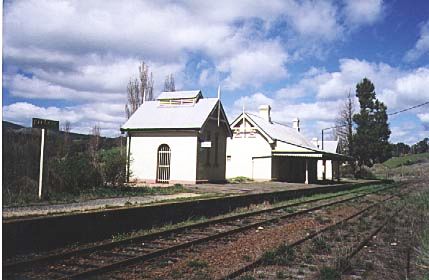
97	193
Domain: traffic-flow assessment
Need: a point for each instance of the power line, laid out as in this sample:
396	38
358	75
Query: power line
390	114
407	109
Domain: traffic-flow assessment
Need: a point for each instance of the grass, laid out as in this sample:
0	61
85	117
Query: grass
247	277
320	245
197	264
240	179
283	255
329	273
406	160
97	193
194	220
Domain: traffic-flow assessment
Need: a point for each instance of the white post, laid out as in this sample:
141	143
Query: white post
42	146
306	171
218	106
324	169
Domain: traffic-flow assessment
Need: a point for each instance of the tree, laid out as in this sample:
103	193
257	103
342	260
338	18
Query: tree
169	83
344	126
371	141
400	149
421	146
66	129
94	144
139	90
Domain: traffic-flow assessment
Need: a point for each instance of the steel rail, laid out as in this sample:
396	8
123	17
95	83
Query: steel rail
362	244
160	252
259	261
13	266
151	255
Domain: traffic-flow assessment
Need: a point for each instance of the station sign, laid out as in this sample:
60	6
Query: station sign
206	144
46	124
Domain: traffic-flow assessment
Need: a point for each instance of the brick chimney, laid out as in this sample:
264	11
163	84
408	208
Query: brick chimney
315	142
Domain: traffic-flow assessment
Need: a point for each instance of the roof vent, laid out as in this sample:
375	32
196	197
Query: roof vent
177	98
265	112
295	124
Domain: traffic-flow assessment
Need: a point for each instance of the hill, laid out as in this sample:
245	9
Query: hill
406	160
11	125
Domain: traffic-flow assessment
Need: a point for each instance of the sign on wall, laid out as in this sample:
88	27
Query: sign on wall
206	144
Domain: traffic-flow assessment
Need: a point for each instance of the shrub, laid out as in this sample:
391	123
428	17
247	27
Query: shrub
72	174
113	166
329	273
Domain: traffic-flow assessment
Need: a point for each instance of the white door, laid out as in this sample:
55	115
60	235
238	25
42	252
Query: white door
163	168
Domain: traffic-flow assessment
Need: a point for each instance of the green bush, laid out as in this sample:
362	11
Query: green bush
72	174
113	165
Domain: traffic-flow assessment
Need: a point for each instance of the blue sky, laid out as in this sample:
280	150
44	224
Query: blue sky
71	60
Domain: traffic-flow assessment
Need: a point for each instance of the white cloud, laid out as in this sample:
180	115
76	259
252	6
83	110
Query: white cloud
396	87
421	47
35	88
84	52
255	66
424	117
363	11
317	97
81	117
314	18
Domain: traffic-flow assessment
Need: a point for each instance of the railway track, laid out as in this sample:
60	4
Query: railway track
345	260
94	260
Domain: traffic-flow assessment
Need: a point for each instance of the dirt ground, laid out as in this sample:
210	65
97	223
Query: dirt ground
258	187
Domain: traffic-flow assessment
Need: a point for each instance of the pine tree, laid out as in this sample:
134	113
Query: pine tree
371	141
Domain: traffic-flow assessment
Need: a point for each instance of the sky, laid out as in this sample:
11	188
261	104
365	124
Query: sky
72	60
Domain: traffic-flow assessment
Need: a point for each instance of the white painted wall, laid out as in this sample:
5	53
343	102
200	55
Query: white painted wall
143	152
240	151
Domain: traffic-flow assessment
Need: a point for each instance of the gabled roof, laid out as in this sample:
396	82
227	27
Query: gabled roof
281	132
287	134
153	116
179	94
150	115
330	146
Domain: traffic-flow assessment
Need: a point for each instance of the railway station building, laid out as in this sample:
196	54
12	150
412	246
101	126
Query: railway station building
263	150
178	138
328	169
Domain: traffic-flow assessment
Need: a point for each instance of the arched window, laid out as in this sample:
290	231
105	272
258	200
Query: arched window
163	166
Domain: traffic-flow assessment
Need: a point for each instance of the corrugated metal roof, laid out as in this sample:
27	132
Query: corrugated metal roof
281	132
150	115
330	146
178	94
